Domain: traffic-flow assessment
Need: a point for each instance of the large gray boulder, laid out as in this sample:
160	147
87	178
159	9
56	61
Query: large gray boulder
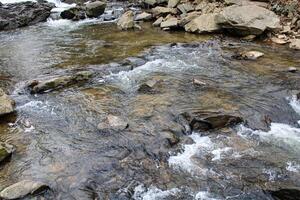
6	103
22	189
95	9
23	14
203	24
248	20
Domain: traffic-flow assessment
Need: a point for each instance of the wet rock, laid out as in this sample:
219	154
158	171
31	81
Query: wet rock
75	13
203	24
170	138
154	2
143	17
286	194
95	9
22	189
23	14
169	22
292	69
6	103
173	3
126	21
248	20
6	151
162	11
207	121
58	82
249	55
295	44
277	40
114	123
198	82
158	21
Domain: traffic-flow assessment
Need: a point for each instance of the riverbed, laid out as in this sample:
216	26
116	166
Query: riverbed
56	136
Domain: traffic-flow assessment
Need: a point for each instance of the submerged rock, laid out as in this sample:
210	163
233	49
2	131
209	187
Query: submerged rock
22	189
5	151
203	24
23	14
248	20
249	55
6	103
114	123
58	82
126	21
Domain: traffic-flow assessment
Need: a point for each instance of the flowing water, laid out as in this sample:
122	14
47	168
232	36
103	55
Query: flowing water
56	135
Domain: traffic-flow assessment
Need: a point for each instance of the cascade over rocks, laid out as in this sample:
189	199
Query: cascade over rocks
23	14
6	103
22	189
248	20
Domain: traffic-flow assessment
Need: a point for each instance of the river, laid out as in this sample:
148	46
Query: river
56	135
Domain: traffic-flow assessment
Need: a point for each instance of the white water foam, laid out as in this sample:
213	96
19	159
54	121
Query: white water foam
153	193
37	106
293	167
295	104
184	160
218	153
281	135
204	195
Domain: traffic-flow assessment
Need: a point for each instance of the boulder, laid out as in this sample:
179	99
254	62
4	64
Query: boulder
6	103
95	9
158	21
126	21
169	22
58	82
75	13
248	20
162	11
245	3
5	151
203	24
113	123
23	14
173	3
143	17
22	189
295	44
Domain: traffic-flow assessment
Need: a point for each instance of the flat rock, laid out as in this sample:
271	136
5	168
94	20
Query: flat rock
169	22
277	40
249	55
23	14
7	105
163	11
22	189
144	16
114	123
203	24
188	17
40	86
248	20
126	21
295	44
